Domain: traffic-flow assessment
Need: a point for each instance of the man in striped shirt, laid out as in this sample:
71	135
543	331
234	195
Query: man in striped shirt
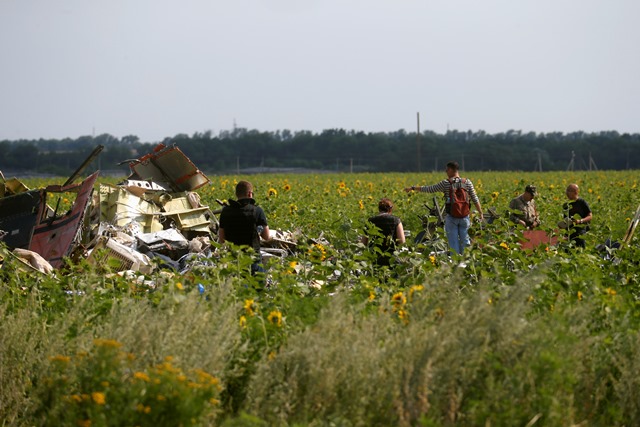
457	229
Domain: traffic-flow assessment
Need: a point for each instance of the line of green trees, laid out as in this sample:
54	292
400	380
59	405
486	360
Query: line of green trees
242	150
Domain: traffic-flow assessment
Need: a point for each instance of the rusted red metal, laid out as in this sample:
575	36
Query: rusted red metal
535	238
53	238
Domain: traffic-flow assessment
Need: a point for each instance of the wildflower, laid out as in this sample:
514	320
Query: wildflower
293	208
98	342
286	187
611	292
490	301
243	322
206	378
76	397
530	299
60	358
249	307
372	295
98	398
180	286
272	355
361	204
399	299
504	245
318	251
275	317
141	376
579	296
495	195
292	267
432	258
105	384
84	423
413	289
402	315
161	398
342	184
272	192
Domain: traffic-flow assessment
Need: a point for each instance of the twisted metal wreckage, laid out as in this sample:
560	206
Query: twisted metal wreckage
154	214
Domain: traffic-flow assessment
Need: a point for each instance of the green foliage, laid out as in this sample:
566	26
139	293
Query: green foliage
102	387
499	336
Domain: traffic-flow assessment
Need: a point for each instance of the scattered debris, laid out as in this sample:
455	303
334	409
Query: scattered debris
153	219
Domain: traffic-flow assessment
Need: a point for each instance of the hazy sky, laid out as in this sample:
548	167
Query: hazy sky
157	68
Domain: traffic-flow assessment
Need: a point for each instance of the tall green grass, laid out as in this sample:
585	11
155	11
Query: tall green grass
438	354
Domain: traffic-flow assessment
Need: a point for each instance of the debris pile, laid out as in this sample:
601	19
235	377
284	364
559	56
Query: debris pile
152	219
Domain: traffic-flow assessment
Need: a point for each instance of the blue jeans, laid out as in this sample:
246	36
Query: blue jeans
457	230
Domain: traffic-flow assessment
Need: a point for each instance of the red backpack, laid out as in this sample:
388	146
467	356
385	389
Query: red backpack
459	198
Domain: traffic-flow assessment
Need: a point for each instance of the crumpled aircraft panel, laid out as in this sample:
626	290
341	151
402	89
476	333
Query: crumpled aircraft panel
53	237
170	168
120	207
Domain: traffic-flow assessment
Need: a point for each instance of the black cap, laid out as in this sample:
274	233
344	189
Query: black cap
531	189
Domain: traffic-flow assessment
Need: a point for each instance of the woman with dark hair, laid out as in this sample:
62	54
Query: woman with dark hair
389	232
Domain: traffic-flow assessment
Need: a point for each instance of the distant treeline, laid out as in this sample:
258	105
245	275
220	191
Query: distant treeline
242	150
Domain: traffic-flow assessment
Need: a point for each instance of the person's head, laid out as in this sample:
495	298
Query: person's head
452	169
572	192
385	205
530	192
244	190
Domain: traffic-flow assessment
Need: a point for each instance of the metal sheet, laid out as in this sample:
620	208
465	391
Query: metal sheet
53	238
169	167
18	217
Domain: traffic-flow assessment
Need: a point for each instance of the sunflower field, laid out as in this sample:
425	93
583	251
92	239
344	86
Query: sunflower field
497	336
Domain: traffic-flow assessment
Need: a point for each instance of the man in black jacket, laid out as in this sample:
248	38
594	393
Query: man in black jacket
243	223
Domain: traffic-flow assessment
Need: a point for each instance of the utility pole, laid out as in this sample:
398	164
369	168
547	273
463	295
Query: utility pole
418	141
540	161
571	163
592	163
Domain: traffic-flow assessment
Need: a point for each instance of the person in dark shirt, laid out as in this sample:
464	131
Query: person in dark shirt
243	223
390	227
577	215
